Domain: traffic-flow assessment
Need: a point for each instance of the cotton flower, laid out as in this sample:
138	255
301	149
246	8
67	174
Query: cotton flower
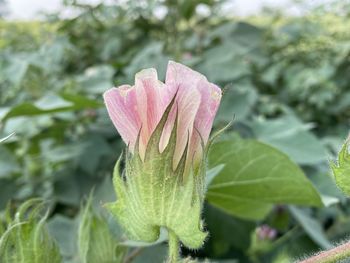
166	128
139	108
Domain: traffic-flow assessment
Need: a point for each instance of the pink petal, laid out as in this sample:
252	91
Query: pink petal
210	101
152	98
184	80
207	95
143	105
179	76
122	109
188	103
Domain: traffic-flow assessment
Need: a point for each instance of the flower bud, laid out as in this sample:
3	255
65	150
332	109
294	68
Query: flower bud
166	127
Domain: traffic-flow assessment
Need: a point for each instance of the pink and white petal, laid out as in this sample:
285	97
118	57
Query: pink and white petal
210	101
188	102
151	96
181	76
122	109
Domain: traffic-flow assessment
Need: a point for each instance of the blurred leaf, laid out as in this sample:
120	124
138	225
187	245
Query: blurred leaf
16	69
237	101
28	126
94	148
54	154
289	135
97	79
51	101
8	163
221	239
8	189
342	105
49	104
311	227
63	229
225	63
150	56
255	177
327	187
232	59
67	188
152	254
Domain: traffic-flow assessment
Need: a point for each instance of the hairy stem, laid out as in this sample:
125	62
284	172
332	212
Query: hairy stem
174	247
331	256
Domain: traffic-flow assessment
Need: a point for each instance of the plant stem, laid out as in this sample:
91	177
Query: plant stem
331	256
174	247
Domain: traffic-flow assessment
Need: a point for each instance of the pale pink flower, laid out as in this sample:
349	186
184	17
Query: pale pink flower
139	108
265	232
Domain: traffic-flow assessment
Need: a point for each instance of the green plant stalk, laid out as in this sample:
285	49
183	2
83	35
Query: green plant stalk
331	256
174	247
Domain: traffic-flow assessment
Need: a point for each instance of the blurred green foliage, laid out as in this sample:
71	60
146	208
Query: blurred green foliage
286	81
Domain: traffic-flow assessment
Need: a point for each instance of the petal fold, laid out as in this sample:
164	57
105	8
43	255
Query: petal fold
121	105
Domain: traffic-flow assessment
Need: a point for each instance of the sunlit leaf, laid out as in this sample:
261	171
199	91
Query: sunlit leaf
255	177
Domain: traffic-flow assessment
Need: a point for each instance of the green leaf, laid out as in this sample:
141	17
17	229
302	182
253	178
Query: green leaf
63	229
95	148
149	56
51	103
97	79
238	101
292	137
221	239
255	177
327	187
152	254
225	63
8	163
312	227
8	189
341	169
55	154
212	173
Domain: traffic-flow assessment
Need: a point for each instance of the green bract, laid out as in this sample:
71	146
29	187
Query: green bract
26	238
152	194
